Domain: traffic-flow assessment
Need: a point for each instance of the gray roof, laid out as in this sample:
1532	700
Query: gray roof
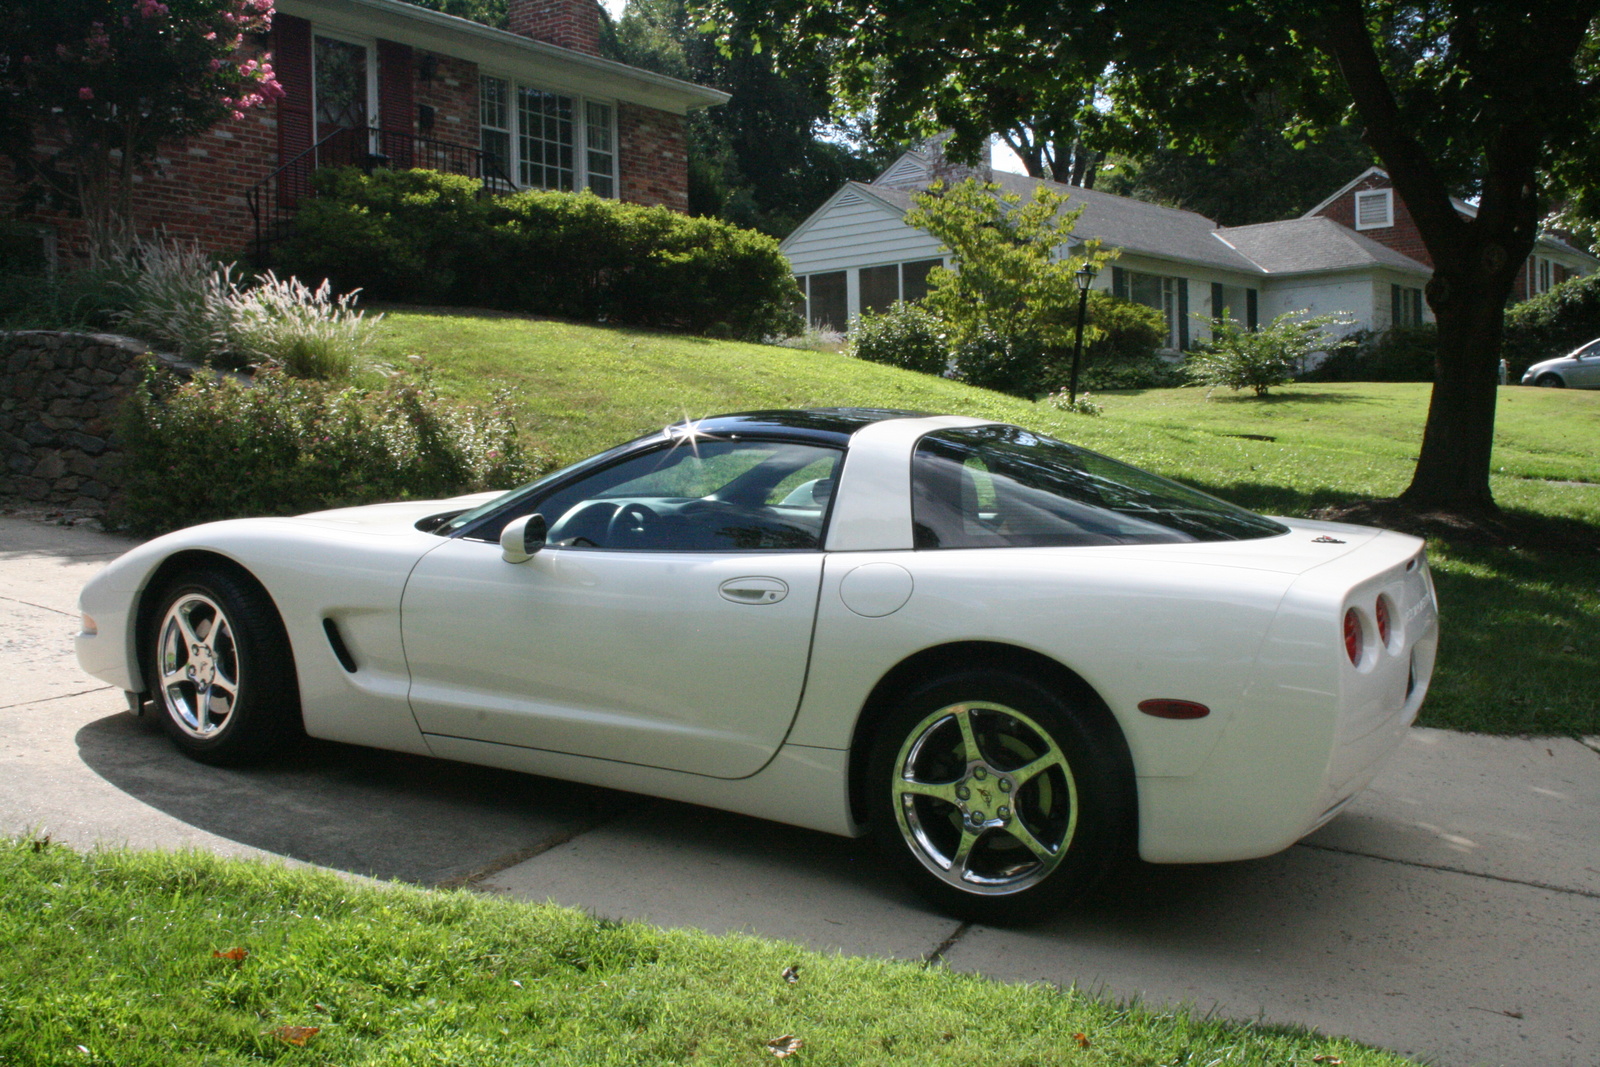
1295	246
1119	222
1304	245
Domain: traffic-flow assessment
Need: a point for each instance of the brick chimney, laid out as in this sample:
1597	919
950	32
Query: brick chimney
573	24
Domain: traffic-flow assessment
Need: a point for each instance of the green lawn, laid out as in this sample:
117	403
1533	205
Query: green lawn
1521	648
183	960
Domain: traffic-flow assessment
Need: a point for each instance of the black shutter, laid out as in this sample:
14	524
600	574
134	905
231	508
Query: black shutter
1183	314
1216	300
1119	282
1250	315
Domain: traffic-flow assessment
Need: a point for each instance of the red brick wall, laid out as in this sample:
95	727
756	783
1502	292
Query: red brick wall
571	24
654	157
1403	236
195	190
452	92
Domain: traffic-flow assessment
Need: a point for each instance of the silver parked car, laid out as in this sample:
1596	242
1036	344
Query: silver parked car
1578	369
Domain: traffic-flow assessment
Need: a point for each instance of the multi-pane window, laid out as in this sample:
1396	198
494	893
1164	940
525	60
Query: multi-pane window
1541	275
1170	296
1405	305
601	149
494	118
880	287
546	140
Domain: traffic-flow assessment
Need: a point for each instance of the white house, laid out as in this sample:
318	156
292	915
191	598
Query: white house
856	253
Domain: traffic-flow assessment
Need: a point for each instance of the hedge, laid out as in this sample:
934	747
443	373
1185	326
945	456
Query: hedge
426	237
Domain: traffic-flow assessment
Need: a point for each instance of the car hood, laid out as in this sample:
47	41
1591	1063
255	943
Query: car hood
1549	364
401	513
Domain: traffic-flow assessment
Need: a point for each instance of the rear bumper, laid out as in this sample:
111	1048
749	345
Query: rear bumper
1313	729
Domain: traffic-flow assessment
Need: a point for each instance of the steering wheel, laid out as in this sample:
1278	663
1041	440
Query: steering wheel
629	523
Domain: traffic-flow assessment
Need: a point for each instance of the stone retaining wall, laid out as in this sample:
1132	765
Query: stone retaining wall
59	395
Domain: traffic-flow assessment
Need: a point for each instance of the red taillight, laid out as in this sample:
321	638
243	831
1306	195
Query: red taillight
1382	613
1174	709
1352	635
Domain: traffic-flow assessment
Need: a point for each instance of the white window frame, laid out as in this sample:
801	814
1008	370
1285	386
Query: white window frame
582	176
1541	274
1386	196
374	120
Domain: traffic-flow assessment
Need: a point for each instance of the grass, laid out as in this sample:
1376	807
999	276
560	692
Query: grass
112	957
1521	644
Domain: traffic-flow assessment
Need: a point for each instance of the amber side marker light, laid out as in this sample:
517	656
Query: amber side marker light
1174	709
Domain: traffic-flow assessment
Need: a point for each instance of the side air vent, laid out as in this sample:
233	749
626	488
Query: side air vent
341	651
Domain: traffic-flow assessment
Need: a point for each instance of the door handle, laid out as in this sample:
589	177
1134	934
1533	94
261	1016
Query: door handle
753	590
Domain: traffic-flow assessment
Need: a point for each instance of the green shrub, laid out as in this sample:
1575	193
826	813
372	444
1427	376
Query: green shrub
1398	354
905	335
1552	323
1151	372
1124	332
216	447
1022	366
399	234
427	237
1241	358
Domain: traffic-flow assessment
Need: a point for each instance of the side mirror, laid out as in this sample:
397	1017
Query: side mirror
522	537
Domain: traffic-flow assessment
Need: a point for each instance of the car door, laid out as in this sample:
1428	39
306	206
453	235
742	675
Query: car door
667	622
1584	371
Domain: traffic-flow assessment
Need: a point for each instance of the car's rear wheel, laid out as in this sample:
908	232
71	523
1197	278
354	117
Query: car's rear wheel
219	668
1550	381
999	798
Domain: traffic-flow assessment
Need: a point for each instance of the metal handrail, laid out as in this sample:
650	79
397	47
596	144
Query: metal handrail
274	199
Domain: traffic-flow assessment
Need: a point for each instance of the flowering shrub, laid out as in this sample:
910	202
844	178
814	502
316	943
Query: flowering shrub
215	448
1241	358
1062	401
93	87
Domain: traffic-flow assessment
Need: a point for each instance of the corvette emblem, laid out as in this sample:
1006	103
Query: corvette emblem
1326	540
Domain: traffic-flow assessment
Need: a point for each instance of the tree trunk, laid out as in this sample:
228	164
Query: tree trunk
1453	466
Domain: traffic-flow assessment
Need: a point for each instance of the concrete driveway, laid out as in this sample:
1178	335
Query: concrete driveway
1451	914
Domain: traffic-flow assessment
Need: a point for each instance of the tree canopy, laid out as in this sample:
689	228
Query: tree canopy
91	88
1455	97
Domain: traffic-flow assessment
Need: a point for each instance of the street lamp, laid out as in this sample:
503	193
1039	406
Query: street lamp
1084	276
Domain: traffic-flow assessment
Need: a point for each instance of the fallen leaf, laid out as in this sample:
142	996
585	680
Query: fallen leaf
785	1046
1320	1058
237	955
1548	752
295	1035
1512	1014
1081	1039
791	974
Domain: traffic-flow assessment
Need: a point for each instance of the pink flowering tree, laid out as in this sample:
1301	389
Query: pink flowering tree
90	89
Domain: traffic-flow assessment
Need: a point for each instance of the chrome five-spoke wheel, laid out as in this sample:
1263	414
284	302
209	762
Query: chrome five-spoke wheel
984	797
218	665
199	662
1000	796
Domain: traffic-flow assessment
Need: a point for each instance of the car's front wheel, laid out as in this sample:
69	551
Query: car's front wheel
1550	381
999	798
219	668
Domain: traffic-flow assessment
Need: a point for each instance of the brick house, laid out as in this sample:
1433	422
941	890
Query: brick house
1370	206
382	82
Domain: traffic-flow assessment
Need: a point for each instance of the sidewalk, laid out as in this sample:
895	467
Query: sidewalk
1452	912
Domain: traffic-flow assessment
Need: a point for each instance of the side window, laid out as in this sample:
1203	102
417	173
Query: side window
702	496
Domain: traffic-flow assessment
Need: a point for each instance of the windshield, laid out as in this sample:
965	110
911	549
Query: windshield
999	486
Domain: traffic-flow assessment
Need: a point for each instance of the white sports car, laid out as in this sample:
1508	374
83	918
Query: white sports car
1011	659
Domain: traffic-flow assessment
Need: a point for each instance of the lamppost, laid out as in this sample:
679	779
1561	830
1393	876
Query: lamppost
1084	276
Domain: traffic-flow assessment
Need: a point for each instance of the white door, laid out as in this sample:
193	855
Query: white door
668	623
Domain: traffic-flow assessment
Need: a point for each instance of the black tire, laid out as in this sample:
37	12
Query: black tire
1077	806
219	668
1550	381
